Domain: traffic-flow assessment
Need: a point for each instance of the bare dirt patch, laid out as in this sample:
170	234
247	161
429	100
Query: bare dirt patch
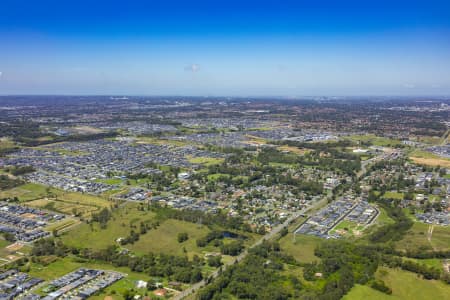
431	161
14	247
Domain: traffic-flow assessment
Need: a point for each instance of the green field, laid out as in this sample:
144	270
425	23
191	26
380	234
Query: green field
112	181
71	203
27	192
363	292
393	195
164	239
92	236
431	262
375	140
207	161
6	144
404	285
383	217
161	239
416	237
302	248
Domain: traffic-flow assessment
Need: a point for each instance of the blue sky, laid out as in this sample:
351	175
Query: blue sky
261	48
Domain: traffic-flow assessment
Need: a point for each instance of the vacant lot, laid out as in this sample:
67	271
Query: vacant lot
302	247
161	239
404	285
207	161
71	203
123	220
428	158
375	140
362	292
442	162
417	237
27	192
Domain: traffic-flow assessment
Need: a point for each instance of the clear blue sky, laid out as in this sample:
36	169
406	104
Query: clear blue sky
225	47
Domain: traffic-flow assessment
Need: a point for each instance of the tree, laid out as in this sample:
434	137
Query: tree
182	237
215	261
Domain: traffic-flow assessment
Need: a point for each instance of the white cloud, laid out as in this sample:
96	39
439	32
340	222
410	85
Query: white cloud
192	68
1	73
409	85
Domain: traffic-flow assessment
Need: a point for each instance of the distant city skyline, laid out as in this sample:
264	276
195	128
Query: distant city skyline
226	48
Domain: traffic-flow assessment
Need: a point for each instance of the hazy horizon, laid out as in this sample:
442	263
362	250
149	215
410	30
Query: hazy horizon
201	48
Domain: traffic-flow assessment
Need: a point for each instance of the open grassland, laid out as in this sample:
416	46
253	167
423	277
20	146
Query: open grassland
63	207
207	161
393	195
3	250
255	140
6	144
120	225
161	239
431	262
71	203
84	199
431	140
27	192
164	238
302	247
428	158
62	225
417	237
363	292
375	140
434	162
404	285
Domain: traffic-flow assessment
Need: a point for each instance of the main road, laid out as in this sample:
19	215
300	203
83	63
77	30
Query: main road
195	287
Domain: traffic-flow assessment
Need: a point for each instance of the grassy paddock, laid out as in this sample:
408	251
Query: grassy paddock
302	248
27	192
416	238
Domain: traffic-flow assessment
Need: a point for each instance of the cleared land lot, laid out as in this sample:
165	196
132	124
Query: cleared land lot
404	284
120	225
302	248
161	239
69	203
375	140
27	192
428	158
417	237
82	205
207	161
